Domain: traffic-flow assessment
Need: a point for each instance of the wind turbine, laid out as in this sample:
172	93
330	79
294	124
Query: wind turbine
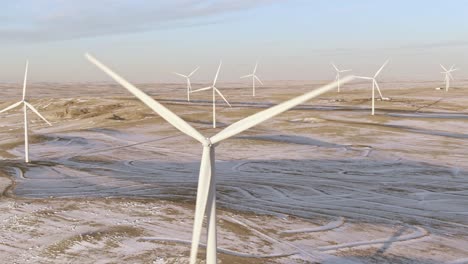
337	78
448	76
206	190
254	77
26	105
189	85
375	85
215	90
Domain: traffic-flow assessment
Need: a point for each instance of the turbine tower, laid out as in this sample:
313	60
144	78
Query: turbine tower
375	85
189	84
337	78
254	77
26	105
206	190
215	90
448	75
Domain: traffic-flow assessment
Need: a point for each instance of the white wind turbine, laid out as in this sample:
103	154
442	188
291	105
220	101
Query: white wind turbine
448	76
26	105
337	78
206	190
375	85
215	90
254	77
189	84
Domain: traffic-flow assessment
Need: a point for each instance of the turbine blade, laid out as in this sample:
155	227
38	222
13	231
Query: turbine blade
246	76
203	190
450	75
364	78
25	79
222	96
255	68
443	67
161	110
264	115
181	75
217	73
381	68
201	89
334	66
346	70
255	76
378	89
196	69
37	112
11	106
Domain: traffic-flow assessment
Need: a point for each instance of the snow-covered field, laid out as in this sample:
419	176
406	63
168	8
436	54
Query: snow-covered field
111	182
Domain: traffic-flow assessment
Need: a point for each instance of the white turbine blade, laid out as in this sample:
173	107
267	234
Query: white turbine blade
11	106
222	96
443	68
246	76
378	89
364	78
381	68
255	68
201	89
217	73
334	66
37	112
264	115
346	70
450	75
25	79
451	68
161	110
203	189
196	69
181	75
255	76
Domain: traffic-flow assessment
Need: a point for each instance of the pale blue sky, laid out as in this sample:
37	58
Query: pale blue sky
295	39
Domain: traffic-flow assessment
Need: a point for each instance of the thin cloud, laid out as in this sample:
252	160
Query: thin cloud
31	20
447	44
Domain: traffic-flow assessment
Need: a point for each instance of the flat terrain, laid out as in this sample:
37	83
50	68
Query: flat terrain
112	182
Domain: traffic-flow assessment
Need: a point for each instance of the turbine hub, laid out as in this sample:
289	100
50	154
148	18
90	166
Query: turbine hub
207	143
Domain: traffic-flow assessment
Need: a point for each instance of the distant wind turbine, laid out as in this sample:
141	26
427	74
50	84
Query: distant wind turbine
337	78
215	90
375	85
254	77
448	76
206	190
189	85
26	105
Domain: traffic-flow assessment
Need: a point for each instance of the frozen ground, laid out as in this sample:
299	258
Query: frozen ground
324	183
